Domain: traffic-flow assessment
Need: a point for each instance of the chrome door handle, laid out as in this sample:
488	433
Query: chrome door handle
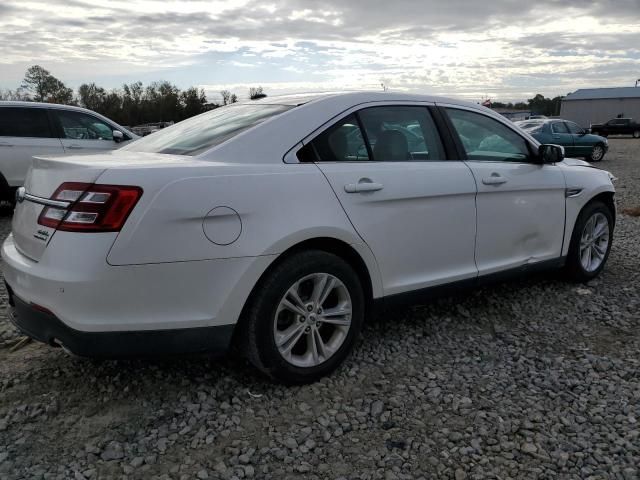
494	179
364	185
74	147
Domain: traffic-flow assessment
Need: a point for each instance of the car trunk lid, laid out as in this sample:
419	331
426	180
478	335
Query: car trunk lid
47	174
44	177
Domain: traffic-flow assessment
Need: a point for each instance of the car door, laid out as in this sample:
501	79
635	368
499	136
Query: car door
582	143
413	207
561	136
520	202
83	133
25	132
615	126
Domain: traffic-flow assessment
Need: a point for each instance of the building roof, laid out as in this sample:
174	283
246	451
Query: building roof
599	93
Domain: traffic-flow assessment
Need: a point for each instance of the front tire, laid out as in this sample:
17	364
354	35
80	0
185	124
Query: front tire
597	153
304	317
590	242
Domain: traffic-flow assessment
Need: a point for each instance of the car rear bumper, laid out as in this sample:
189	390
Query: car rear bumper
42	325
73	297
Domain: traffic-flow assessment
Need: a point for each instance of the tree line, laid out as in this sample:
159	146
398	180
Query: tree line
539	104
133	104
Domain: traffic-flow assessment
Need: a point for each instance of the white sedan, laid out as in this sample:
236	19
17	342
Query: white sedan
279	225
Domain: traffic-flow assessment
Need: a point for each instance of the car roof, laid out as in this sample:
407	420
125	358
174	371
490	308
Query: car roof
22	103
356	97
314	112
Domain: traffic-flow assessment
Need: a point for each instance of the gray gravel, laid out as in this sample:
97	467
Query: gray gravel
531	379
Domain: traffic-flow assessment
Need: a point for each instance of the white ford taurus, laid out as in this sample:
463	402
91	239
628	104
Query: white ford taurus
279	225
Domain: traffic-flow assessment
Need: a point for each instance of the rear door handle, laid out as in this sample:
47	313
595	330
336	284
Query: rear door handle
494	179
363	185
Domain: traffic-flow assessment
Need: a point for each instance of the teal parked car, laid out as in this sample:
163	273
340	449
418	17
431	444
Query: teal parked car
577	142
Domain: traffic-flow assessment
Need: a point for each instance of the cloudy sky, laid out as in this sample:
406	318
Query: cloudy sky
502	49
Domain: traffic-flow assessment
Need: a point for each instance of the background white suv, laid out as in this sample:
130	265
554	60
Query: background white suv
28	129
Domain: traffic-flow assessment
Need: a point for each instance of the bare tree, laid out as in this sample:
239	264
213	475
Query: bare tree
256	93
17	94
228	97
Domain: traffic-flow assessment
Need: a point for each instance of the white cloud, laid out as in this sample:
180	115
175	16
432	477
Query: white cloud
505	49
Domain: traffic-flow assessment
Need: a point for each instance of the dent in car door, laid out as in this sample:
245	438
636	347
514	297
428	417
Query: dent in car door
417	216
520	205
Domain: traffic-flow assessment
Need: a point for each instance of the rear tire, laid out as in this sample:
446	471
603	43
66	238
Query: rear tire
590	242
636	134
295	329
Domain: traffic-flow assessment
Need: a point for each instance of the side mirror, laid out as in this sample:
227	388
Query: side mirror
550	153
118	136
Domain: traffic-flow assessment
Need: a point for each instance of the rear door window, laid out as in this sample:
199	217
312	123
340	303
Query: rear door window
25	122
400	134
342	142
380	134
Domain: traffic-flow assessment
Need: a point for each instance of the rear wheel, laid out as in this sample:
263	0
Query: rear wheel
590	242
636	134
305	317
597	153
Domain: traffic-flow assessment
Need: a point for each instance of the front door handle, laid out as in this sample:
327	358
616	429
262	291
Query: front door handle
74	147
494	179
363	185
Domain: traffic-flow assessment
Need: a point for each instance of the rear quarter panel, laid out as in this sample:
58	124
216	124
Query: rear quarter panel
278	205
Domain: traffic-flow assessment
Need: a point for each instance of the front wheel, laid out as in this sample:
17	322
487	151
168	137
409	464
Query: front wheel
590	242
305	317
597	153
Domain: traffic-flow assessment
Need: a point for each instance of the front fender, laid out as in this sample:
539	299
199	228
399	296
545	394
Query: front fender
591	182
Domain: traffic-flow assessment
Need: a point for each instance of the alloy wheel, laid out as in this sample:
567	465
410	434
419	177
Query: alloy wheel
597	153
594	242
312	320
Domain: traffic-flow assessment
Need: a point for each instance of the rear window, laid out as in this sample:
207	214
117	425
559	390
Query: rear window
24	122
200	133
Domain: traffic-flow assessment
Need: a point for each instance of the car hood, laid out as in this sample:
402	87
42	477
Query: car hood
574	162
595	138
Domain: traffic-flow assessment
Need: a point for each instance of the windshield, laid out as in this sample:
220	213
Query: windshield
199	133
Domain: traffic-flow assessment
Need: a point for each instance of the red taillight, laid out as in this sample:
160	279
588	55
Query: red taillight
93	208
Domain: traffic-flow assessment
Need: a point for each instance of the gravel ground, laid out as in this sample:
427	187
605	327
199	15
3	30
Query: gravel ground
532	379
